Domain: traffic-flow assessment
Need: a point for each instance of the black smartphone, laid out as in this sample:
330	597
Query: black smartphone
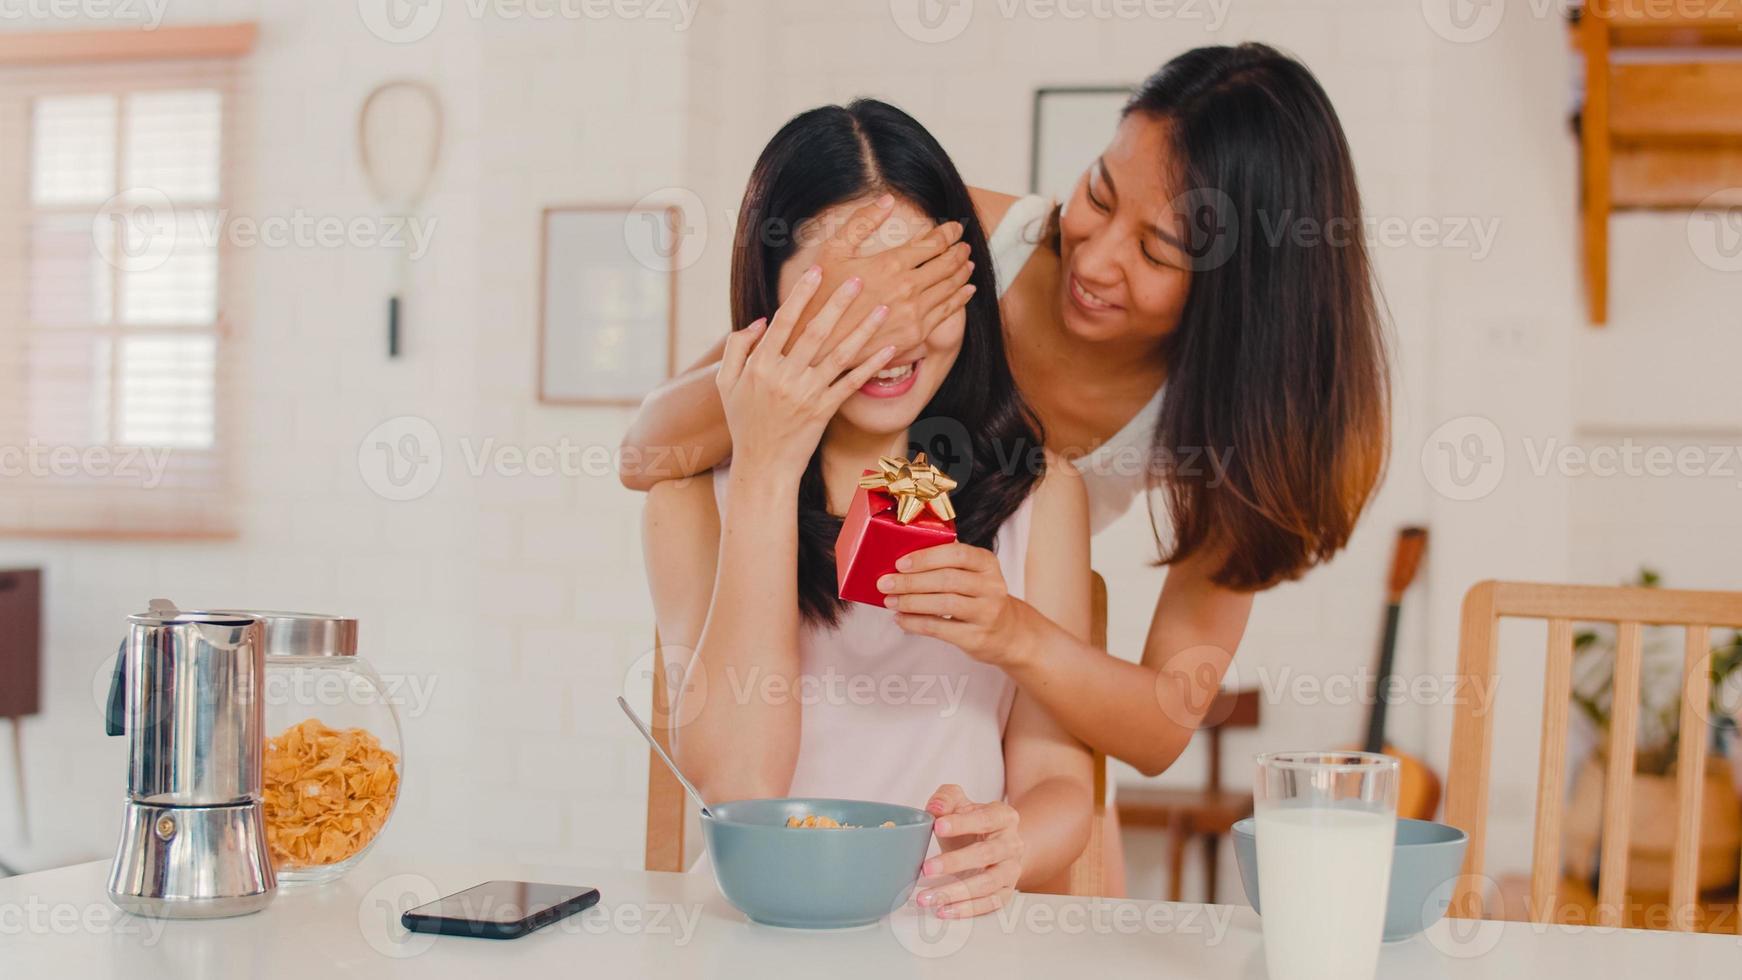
500	909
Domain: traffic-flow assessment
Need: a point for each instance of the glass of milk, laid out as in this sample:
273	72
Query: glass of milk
1325	823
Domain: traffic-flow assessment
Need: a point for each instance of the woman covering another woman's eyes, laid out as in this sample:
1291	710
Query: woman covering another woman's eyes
1196	326
741	561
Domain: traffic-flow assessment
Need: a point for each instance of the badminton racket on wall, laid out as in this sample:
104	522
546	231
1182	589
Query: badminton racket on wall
399	142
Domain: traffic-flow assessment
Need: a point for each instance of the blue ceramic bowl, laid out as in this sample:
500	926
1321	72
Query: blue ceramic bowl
1424	868
816	878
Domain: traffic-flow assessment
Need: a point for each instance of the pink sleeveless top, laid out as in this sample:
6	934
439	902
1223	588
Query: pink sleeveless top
891	717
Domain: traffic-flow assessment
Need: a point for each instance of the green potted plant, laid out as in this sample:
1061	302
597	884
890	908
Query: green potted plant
1652	836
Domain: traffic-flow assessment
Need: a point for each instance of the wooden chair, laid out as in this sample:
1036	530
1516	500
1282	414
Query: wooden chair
1473	732
667	806
1206	815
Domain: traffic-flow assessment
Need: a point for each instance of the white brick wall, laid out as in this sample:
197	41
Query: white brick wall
509	594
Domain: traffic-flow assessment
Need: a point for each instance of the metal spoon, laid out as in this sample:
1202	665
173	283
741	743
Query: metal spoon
641	727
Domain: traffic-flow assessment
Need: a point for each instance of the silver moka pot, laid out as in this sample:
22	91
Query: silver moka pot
188	693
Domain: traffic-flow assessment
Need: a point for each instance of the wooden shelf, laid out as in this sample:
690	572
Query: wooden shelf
1678	177
1672	35
1689	103
82	46
1659	133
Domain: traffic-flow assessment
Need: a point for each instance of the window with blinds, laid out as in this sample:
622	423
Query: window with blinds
116	286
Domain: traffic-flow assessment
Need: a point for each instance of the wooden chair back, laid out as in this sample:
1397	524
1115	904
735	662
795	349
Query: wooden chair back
1088	873
667	807
1231	709
1561	606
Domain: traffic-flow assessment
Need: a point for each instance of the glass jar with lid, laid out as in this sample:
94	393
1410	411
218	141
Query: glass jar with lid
334	757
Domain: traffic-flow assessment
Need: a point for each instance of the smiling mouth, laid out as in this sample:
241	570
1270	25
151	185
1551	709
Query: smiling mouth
892	382
1089	301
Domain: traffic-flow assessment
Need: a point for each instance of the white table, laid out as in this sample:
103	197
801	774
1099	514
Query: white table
58	924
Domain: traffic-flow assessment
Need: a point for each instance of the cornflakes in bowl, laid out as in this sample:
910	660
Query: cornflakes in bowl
816	821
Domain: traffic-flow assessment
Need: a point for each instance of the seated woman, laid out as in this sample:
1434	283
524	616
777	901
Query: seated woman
790	691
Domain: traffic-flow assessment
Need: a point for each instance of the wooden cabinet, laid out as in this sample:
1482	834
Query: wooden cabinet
20	642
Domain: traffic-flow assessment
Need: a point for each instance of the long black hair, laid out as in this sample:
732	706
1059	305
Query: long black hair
976	426
1278	363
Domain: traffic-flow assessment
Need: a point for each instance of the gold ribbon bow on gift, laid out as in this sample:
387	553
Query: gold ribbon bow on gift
916	486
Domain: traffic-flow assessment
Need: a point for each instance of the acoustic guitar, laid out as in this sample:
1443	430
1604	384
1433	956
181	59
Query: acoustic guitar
1418	792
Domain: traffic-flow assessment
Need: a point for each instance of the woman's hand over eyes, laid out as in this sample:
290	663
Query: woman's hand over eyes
778	401
981	847
923	281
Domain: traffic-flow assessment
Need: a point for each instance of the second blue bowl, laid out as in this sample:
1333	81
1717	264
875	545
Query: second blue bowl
1424	869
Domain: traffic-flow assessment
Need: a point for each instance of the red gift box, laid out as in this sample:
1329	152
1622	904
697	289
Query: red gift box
874	535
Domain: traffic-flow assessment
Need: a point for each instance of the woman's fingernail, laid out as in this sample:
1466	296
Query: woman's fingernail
935	805
946	913
880	312
924	899
903	564
942	827
854	284
815	272
889	602
886	583
886	200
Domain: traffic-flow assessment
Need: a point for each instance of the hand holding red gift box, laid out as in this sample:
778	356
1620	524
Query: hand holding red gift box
900	507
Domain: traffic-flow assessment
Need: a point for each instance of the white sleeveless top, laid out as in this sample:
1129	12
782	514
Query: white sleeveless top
1116	472
890	717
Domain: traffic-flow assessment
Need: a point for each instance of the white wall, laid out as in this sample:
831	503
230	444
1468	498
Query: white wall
1663	375
521	597
509	595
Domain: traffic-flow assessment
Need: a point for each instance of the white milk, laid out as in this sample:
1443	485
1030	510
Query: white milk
1322	879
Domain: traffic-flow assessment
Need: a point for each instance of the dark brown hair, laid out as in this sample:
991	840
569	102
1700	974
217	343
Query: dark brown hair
976	423
1277	369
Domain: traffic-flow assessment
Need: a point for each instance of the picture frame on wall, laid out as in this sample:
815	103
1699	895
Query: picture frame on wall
1070	124
607	326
